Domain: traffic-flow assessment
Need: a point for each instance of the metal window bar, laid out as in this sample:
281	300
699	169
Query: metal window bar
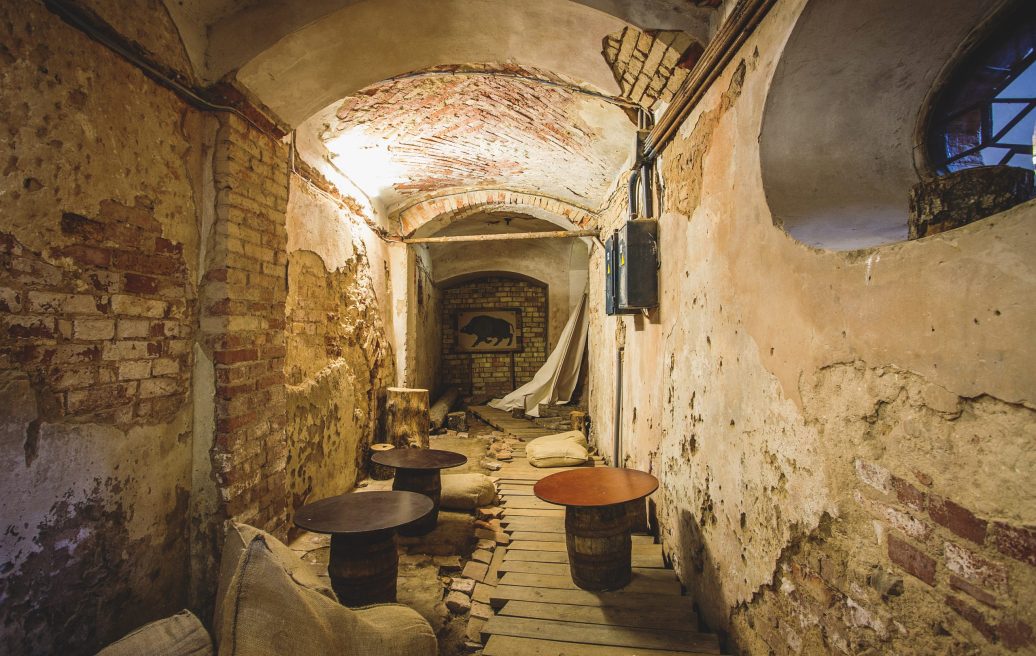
985	105
994	140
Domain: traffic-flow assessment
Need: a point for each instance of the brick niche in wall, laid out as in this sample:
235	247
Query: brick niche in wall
490	374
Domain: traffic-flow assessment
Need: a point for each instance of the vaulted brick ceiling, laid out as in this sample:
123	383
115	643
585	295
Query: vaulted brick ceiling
477	127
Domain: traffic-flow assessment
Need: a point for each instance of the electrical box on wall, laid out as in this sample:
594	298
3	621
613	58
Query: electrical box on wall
636	266
611	276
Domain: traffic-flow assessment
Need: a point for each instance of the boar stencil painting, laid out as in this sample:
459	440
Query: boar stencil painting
489	331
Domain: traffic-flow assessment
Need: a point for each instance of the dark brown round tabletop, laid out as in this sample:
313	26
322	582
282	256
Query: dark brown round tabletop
419	459
595	486
417	470
363	512
364	562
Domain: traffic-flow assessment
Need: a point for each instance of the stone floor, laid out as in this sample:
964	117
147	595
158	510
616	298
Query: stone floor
429	565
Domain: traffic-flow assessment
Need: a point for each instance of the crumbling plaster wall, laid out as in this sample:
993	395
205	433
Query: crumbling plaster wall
843	440
338	353
97	294
421	306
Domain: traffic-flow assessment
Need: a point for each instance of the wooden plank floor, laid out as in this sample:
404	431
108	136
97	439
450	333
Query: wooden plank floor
539	611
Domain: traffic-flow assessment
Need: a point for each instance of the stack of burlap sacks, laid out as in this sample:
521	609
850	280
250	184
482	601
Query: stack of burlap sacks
270	602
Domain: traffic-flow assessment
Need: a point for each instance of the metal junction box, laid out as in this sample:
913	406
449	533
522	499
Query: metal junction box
611	277
636	266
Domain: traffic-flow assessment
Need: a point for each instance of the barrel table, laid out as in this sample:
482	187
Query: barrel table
364	561
417	470
597	524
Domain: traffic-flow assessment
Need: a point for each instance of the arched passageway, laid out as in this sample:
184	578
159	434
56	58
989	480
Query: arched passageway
227	227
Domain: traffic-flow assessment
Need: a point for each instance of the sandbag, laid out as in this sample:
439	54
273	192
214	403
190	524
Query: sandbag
266	613
238	538
179	635
466	491
566	449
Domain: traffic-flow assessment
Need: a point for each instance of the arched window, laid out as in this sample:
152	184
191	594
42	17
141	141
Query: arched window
986	111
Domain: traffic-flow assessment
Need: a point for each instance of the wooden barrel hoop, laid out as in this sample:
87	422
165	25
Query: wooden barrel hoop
599	546
363	568
638	515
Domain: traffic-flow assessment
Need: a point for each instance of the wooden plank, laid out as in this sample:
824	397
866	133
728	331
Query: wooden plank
533	545
495	564
504	480
499	645
532	512
638	548
539	536
653	561
559	536
515	490
530	502
538	524
502	594
652	618
667	585
483	592
560	569
596	634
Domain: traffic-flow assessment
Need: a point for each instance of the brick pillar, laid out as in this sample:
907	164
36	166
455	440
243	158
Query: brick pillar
243	304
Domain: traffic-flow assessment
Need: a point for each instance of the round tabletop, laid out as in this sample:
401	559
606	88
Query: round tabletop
363	512
419	459
595	486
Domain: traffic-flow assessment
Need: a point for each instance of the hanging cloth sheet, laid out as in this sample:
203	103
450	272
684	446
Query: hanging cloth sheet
554	382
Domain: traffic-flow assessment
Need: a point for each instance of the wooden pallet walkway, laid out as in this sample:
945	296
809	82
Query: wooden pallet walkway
539	611
503	421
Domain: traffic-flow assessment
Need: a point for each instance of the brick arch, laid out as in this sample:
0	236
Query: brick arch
430	214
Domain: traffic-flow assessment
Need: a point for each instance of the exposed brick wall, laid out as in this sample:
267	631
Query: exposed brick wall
489	374
650	66
243	309
484	200
97	315
106	337
971	562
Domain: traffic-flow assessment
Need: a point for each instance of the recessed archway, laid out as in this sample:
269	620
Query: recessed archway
838	157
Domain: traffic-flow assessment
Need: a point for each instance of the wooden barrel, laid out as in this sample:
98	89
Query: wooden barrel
426	482
380	472
599	546
638	516
363	568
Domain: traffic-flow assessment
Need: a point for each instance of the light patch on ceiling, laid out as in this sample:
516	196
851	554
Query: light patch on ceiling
366	159
441	130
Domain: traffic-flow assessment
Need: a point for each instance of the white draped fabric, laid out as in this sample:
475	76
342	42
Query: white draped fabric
554	382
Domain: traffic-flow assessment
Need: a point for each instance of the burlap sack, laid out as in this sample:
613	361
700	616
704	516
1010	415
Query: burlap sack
179	635
265	613
466	491
239	536
559	450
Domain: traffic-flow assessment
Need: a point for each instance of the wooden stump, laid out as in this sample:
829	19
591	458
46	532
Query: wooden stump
380	472
406	417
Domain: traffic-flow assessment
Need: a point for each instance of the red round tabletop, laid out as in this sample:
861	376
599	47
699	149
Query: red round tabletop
595	486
